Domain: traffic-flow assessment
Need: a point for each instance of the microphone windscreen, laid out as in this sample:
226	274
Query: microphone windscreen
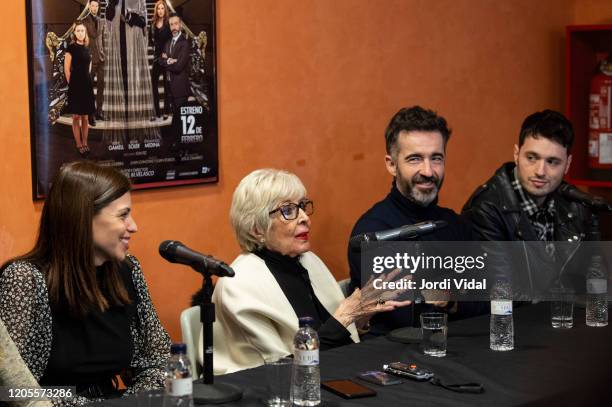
355	241
440	224
167	249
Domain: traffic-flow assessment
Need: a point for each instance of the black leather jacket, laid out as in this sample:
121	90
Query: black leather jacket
495	213
496	216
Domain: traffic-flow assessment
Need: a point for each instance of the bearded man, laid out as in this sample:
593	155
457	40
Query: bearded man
416	141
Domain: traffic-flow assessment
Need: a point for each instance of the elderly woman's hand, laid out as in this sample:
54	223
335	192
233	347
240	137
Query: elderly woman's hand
360	306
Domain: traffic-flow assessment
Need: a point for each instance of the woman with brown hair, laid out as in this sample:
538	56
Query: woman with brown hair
160	35
77	305
81	101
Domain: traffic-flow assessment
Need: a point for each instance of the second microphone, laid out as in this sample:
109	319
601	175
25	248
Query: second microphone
176	252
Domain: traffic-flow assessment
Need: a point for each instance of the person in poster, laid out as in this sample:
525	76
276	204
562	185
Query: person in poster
152	153
77	63
128	98
160	34
176	61
95	31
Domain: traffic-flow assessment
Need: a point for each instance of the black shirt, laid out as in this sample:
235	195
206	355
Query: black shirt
293	279
394	211
160	37
95	348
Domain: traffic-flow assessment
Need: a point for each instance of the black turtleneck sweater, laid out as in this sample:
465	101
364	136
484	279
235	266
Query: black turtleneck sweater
293	279
394	211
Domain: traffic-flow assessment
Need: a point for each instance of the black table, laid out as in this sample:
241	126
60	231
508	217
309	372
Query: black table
548	366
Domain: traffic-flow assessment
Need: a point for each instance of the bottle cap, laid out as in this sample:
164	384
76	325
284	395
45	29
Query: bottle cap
178	348
306	321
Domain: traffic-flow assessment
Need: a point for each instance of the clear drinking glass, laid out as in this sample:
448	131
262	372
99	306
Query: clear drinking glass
434	328
278	375
562	308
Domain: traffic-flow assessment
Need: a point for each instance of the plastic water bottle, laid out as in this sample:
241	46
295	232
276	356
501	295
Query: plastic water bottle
502	325
178	381
501	331
597	294
306	377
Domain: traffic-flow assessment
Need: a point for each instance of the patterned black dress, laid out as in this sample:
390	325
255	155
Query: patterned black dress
33	327
81	99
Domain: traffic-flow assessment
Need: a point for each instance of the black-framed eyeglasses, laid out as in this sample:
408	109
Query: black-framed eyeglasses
290	211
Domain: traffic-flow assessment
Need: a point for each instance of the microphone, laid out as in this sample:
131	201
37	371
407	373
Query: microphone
176	252
405	232
574	194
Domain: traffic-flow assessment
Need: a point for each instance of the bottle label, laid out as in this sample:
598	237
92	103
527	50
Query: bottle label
597	286
306	357
179	387
501	307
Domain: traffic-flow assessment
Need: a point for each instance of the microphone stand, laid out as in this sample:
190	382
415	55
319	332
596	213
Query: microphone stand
206	391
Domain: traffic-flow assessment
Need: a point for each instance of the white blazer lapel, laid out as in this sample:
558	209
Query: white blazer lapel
325	287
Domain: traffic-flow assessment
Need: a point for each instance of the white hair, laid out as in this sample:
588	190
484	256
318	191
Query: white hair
257	194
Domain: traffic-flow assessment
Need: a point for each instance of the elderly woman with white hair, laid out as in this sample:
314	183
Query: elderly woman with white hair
278	279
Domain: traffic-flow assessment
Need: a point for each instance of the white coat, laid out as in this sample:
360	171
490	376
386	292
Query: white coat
254	320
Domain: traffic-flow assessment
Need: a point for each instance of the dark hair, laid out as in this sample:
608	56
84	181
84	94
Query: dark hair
64	249
174	15
549	124
415	118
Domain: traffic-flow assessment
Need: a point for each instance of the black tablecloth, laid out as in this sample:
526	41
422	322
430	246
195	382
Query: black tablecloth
547	367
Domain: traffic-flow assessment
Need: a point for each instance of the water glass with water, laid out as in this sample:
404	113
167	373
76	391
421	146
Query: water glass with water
278	374
562	308
434	328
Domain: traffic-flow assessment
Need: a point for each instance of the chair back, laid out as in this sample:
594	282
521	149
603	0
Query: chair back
190	331
344	286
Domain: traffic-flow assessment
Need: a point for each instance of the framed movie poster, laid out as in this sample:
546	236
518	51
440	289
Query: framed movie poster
125	83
